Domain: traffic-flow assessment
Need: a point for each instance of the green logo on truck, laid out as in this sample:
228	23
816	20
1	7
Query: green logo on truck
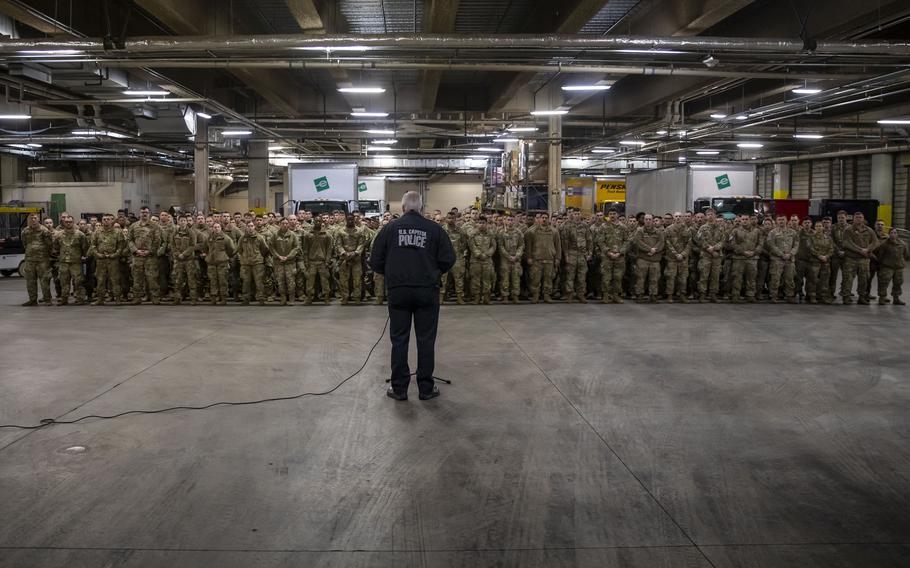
723	182
361	187
321	184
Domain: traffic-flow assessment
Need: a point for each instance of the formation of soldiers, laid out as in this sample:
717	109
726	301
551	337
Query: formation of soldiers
680	257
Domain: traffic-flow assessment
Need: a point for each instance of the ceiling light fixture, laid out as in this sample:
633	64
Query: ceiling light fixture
147	93
381	132
369	114
632	142
554	112
236	132
808	136
522	129
586	87
718	115
204	115
806	91
489	149
505	140
379	148
364	90
651	51
894	121
603	151
33	145
336	48
741	117
661	132
15	116
710	61
50	52
387	142
750	145
708	152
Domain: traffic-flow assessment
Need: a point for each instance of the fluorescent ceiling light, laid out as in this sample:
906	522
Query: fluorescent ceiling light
806	91
33	145
549	112
750	145
488	149
336	48
276	148
93	132
632	142
150	93
651	51
586	87
204	115
718	115
522	129
741	117
702	166
388	142
366	90
370	114
603	151
379	148
23	146
505	140
381	132
894	121
113	134
661	132
808	136
478	157
50	52
708	152
15	116
236	132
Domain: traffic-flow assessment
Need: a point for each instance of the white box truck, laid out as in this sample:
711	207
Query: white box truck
323	188
678	189
371	196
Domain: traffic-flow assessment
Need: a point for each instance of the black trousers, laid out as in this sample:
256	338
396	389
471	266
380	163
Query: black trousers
421	304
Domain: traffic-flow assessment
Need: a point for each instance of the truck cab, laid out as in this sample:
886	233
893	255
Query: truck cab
731	207
322	206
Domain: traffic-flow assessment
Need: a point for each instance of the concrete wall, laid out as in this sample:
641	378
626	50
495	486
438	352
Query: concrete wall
395	190
453	191
86	197
239	201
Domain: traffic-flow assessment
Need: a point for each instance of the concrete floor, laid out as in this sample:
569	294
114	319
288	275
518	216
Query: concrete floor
652	436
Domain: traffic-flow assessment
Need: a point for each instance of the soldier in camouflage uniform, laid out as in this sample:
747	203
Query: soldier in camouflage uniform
544	249
578	248
165	268
649	243
221	249
511	245
144	243
838	232
678	239
783	243
892	257
107	245
821	250
710	241
456	274
482	245
285	248
183	249
72	248
349	247
252	251
746	240
379	279
318	247
37	240
859	243
803	256
611	243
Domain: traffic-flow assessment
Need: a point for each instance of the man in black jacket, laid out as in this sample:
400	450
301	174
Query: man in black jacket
412	253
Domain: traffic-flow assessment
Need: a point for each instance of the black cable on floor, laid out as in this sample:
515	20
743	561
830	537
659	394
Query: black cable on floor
49	421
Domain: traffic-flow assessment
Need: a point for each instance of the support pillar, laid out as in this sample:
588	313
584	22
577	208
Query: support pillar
554	164
883	185
258	193
201	166
781	181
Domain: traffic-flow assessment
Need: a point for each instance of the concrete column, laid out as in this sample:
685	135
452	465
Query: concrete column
554	163
13	172
201	165
883	185
258	153
781	181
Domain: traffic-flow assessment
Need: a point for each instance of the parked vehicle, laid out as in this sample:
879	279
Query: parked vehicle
12	220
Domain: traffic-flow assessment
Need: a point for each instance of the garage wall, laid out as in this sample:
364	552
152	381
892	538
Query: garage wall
452	191
87	197
901	188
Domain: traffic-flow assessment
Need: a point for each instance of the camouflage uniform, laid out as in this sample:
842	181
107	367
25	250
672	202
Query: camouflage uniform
165	267
855	263
818	272
36	268
510	243
183	250
782	242
107	248
72	246
578	247
302	230
460	243
284	243
544	250
349	245
803	257
612	238
318	248
145	236
221	249
892	256
709	236
379	279
678	239
838	232
252	250
745	267
482	245
647	265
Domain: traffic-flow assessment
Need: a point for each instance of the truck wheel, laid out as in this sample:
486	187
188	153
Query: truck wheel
7	273
19	268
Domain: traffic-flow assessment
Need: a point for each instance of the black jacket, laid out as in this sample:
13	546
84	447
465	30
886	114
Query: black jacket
412	251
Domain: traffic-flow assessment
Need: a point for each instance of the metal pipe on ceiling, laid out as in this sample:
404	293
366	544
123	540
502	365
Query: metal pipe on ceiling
837	154
151	44
302	64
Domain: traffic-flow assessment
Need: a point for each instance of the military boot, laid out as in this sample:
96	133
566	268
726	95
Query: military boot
582	299
847	300
863	301
607	299
98	302
669	299
653	299
547	299
308	302
898	301
570	298
515	299
812	300
701	299
177	300
883	301
683	299
31	303
193	301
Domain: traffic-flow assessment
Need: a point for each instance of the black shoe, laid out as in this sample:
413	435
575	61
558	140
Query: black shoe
432	394
392	394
